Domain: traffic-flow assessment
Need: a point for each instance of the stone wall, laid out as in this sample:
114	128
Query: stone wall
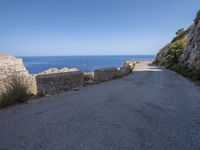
105	74
50	84
53	80
125	70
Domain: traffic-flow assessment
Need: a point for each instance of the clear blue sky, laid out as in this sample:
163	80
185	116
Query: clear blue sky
91	27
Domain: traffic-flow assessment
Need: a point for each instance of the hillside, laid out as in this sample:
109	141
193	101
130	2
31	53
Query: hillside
182	54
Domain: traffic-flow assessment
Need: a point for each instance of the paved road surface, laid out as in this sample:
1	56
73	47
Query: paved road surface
152	109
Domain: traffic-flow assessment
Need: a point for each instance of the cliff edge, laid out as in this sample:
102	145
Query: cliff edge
10	65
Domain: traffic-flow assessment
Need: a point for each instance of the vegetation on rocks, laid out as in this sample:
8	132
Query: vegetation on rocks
183	53
174	52
170	55
16	90
191	73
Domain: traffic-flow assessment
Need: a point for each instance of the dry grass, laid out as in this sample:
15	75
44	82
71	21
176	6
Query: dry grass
15	90
88	76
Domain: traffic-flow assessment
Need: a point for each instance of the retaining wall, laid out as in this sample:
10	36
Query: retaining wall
51	84
105	74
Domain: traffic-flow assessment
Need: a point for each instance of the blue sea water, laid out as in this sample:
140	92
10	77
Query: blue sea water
38	64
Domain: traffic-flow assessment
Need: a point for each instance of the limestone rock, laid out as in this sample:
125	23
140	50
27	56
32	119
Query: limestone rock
56	70
131	64
10	65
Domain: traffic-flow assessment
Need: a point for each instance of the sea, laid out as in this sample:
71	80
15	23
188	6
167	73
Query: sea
36	64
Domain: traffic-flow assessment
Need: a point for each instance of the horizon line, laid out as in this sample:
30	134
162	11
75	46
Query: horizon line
84	55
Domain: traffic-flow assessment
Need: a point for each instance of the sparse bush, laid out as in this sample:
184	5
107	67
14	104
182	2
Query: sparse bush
15	90
180	31
181	34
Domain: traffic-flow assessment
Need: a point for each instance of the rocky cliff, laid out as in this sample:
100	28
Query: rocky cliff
10	65
171	53
183	50
191	54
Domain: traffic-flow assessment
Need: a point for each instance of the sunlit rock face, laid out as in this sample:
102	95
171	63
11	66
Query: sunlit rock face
10	65
191	54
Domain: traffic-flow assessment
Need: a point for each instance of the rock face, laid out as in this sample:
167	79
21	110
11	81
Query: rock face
9	65
170	54
184	49
105	74
191	54
50	84
161	57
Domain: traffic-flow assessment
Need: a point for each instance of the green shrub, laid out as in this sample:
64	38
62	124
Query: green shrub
15	90
191	73
181	34
174	52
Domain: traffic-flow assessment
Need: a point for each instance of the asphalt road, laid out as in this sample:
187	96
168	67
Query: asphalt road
151	109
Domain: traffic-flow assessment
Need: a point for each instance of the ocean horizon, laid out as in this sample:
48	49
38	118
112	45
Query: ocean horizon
37	64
